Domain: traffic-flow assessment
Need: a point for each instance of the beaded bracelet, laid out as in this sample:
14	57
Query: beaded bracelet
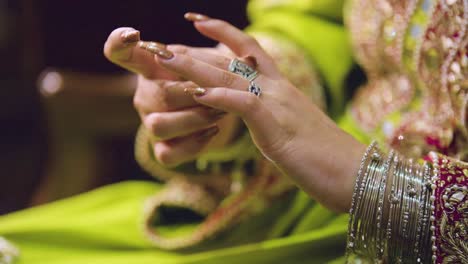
395	202
425	239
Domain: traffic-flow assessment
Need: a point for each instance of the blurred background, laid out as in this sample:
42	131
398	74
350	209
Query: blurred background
66	115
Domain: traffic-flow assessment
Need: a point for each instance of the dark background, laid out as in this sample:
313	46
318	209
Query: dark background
58	145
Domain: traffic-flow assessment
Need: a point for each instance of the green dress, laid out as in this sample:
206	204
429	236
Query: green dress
105	225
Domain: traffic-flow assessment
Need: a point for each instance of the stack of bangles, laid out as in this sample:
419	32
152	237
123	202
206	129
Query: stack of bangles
391	212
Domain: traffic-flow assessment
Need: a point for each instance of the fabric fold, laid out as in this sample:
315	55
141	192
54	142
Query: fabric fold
207	215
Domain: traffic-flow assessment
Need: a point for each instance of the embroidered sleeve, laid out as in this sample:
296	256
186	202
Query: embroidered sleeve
449	218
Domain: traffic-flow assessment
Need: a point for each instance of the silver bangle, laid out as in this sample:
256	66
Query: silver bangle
403	208
366	231
394	207
380	204
357	196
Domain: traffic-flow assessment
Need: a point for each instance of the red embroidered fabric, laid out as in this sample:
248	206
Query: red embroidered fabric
450	216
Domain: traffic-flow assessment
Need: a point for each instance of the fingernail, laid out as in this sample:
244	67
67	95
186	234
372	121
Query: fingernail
198	91
156	48
195	17
251	60
130	36
210	132
216	113
151	45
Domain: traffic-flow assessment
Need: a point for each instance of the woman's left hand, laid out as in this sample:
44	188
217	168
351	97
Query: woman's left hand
284	124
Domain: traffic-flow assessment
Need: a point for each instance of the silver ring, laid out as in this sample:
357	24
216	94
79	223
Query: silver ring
254	88
238	67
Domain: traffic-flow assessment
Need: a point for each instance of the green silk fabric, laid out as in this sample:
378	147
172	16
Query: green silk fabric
105	225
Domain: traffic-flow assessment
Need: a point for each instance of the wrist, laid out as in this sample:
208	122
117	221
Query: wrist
324	162
341	158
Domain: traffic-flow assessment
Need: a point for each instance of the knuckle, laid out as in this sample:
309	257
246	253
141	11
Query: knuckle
250	41
177	48
185	62
157	125
161	91
227	79
154	95
137	102
220	95
220	24
251	103
222	62
164	155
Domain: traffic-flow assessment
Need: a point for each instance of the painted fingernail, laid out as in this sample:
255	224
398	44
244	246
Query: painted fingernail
216	113
195	17
130	36
151	45
251	60
210	132
156	48
198	91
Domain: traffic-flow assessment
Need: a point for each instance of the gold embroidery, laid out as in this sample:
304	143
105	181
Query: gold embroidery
456	248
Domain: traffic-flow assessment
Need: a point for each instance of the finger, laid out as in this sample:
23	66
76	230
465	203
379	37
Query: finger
168	125
202	54
239	42
162	96
202	73
247	105
121	49
179	150
210	56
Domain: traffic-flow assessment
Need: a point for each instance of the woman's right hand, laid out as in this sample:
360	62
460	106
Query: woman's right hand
182	128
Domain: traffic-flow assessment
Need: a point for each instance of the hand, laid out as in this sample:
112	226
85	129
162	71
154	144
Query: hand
182	127
285	125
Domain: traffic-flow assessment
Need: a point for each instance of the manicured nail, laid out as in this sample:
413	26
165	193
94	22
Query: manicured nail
151	45
156	48
251	60
210	132
130	36
216	113
195	17
198	91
